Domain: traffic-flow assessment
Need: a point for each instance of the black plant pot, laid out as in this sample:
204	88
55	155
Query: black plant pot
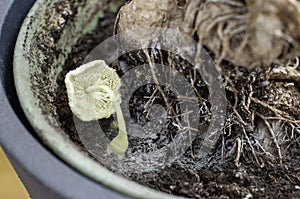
43	174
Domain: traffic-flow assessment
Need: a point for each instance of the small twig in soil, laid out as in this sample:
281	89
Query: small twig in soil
288	146
193	76
246	106
252	148
231	152
232	89
239	152
248	102
223	148
274	110
272	136
152	68
151	101
243	124
283	119
239	117
263	150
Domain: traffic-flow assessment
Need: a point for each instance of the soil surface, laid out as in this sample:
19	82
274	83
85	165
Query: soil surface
246	162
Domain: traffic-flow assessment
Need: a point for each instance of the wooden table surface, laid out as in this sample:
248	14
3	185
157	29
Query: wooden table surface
10	185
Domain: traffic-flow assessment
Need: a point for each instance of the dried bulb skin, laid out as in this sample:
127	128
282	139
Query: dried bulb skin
251	33
275	26
143	14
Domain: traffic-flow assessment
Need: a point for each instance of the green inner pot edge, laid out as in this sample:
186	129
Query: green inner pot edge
54	27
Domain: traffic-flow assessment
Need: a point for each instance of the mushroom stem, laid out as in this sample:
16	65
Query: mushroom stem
119	144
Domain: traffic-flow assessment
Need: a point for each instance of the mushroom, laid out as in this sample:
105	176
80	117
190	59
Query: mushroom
93	93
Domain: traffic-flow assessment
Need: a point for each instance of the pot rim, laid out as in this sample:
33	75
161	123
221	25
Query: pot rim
66	150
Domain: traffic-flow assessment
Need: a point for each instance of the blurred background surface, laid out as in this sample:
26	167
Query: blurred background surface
10	185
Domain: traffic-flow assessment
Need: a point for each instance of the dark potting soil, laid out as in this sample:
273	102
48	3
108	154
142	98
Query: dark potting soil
234	169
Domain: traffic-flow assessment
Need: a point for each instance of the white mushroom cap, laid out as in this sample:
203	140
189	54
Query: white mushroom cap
92	89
